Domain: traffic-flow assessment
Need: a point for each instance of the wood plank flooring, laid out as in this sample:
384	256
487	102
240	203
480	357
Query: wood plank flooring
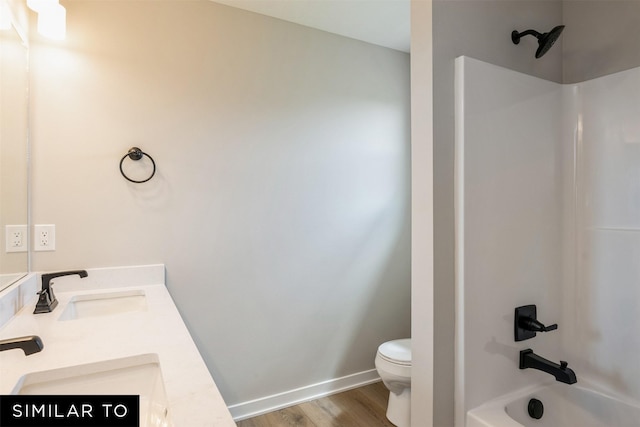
361	407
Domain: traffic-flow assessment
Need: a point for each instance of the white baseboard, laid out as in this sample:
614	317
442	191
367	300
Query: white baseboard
252	408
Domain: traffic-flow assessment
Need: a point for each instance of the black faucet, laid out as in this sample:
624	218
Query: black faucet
29	344
528	359
47	300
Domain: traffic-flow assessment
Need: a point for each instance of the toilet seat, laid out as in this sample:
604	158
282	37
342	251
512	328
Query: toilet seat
397	352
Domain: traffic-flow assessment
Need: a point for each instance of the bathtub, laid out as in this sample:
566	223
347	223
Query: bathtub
577	405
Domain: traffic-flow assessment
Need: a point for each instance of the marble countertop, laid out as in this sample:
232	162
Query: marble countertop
194	399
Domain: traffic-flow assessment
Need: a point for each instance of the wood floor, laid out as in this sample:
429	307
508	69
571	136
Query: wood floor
361	407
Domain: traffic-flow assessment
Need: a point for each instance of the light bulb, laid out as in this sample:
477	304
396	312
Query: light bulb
52	22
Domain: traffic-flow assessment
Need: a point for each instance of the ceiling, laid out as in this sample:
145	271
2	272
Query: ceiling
381	22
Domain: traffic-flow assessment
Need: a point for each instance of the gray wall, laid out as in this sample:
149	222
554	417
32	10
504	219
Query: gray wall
482	30
601	37
281	202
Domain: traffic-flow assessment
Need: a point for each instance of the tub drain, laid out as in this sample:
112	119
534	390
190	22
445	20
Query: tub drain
535	409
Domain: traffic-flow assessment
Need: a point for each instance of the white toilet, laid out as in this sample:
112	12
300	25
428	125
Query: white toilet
393	362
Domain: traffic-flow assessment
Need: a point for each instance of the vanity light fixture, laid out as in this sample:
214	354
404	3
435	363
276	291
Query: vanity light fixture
52	18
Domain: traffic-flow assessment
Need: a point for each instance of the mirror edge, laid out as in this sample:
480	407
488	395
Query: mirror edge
18	14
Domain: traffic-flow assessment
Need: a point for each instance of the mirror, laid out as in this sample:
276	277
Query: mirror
14	104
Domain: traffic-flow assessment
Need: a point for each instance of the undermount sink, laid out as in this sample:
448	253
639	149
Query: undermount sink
103	304
139	375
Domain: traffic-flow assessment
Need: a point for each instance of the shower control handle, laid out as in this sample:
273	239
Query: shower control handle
533	325
526	323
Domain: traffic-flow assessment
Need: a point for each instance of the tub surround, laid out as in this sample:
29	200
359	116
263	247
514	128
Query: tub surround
509	186
546	215
193	396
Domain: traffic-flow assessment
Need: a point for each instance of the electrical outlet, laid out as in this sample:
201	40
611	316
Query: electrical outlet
44	237
16	238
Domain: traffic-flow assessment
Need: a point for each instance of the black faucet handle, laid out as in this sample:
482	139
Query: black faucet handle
563	365
531	324
526	324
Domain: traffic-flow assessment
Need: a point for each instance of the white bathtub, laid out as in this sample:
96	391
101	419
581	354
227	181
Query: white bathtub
564	406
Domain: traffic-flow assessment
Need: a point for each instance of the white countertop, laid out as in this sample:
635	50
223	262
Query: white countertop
194	399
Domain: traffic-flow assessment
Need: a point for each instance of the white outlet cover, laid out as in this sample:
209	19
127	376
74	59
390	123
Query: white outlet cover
16	239
44	237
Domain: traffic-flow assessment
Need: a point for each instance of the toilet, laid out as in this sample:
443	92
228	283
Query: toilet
393	362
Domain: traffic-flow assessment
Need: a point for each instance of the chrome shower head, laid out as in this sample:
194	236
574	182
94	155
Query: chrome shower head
545	40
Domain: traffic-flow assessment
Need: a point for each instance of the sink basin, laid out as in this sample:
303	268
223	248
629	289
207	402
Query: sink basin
104	304
139	375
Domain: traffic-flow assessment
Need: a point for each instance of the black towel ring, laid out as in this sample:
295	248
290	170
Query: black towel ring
136	154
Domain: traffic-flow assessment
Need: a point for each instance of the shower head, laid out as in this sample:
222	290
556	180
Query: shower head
545	41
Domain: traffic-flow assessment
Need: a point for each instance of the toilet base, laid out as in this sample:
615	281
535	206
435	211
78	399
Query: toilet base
399	408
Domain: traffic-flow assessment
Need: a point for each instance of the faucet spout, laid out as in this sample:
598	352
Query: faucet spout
29	344
528	359
47	300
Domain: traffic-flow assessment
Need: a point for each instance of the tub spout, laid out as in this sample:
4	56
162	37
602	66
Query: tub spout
528	359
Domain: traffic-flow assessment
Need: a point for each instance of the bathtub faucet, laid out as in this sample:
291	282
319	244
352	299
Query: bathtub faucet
528	359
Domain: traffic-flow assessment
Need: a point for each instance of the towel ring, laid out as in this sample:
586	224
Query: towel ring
136	154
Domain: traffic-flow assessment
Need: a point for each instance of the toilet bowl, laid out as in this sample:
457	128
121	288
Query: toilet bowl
393	363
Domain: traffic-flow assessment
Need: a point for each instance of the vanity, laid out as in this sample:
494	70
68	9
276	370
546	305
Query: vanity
116	331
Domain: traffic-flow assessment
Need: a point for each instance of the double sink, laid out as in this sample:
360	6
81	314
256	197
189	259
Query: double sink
117	331
135	375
